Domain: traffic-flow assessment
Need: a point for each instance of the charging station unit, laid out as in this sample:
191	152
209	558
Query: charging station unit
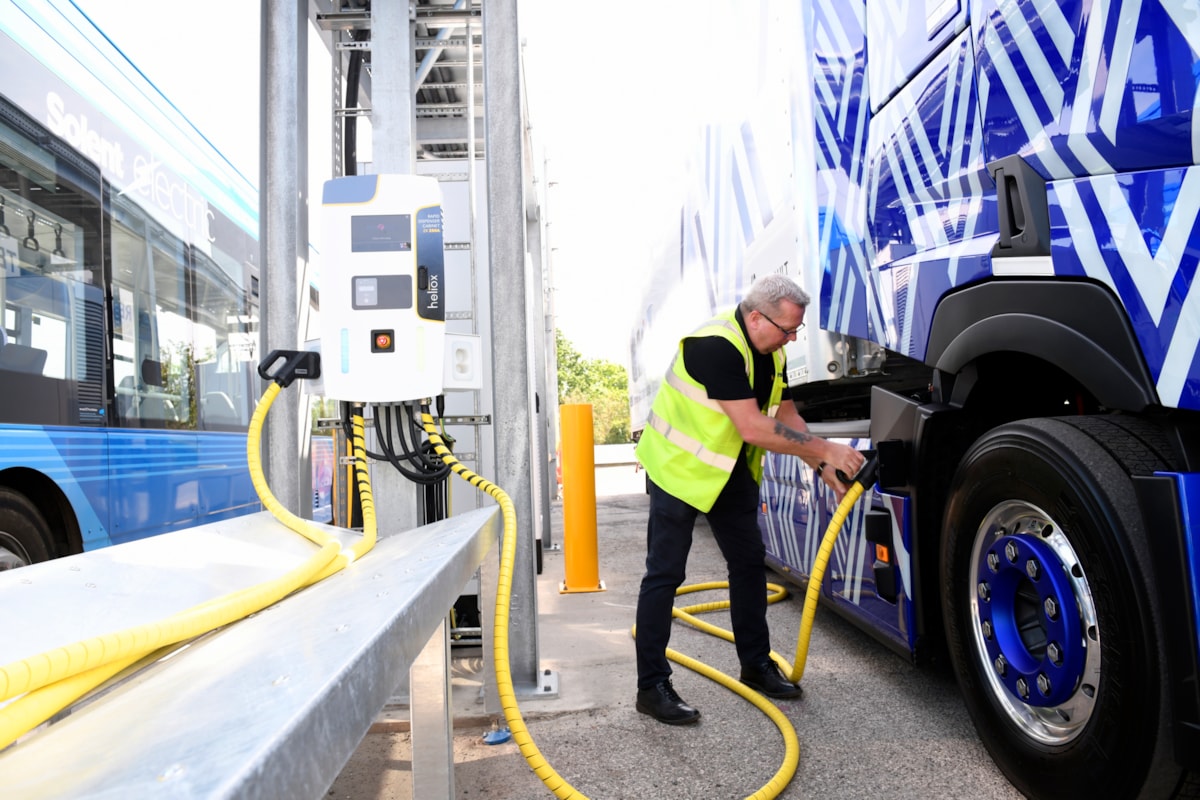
383	306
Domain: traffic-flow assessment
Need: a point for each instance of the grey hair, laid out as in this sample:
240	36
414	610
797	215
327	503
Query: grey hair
770	290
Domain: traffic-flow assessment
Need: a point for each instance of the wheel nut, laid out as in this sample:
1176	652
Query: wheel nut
987	629
993	562
1055	654
1010	550
1051	608
1032	569
985	591
1001	665
1043	683
1023	688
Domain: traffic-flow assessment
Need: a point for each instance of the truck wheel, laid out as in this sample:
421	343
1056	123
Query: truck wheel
24	535
1051	627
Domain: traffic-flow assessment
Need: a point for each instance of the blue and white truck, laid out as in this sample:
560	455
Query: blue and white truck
994	204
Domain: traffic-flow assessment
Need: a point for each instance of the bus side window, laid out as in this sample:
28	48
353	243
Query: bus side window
217	407
20	358
146	400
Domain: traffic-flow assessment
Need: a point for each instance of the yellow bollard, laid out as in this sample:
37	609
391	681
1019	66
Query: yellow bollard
579	500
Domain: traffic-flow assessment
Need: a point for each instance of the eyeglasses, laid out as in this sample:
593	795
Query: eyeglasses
783	330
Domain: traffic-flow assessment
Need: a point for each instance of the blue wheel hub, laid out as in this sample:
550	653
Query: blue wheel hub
1029	620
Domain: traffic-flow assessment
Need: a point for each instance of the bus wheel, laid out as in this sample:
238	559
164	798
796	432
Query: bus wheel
24	535
1051	628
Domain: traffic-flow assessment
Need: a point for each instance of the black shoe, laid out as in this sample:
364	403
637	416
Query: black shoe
766	678
662	703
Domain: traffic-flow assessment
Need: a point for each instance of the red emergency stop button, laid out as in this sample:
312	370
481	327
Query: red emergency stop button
383	341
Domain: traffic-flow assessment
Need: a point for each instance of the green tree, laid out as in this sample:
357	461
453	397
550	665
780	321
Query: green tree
601	383
178	367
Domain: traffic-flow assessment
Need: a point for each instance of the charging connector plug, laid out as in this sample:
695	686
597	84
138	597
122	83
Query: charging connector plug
289	365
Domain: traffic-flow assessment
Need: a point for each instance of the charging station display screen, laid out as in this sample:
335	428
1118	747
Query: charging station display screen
380	233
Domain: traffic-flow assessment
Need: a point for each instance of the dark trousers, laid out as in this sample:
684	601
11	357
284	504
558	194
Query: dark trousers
734	523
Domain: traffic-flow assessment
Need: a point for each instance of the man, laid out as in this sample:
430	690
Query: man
723	403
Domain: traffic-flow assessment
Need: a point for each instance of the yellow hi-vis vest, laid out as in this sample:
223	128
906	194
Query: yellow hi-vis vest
689	445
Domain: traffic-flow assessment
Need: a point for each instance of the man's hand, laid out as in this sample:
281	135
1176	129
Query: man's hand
840	457
787	432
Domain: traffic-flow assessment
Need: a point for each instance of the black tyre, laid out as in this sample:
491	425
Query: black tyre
1051	624
25	537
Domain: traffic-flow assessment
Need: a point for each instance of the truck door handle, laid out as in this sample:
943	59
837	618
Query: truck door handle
1022	209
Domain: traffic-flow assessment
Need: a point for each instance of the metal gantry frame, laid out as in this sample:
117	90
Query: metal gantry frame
422	89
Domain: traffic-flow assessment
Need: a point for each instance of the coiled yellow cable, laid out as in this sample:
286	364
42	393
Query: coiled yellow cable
791	756
50	681
791	743
512	713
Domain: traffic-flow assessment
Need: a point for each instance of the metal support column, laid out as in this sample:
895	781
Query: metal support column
393	118
432	721
282	155
393	108
393	126
510	355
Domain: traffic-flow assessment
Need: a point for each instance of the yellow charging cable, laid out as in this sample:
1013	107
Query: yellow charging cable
508	554
812	594
791	743
791	758
314	533
46	683
512	713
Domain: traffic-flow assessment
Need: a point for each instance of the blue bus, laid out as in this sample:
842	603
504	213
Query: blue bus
129	288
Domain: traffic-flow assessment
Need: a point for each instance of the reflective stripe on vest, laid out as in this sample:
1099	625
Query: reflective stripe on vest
692	392
691	446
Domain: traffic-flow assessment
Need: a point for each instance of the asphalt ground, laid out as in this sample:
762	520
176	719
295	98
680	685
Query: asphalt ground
870	724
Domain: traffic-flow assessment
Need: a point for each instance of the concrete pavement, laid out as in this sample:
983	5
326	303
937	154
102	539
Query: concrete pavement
870	724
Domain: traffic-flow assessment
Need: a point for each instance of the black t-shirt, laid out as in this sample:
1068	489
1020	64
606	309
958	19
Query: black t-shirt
717	364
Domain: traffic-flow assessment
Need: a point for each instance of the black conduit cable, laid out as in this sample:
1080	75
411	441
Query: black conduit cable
424	476
415	452
423	449
441	489
408	451
378	435
354	499
421	452
385	443
350	126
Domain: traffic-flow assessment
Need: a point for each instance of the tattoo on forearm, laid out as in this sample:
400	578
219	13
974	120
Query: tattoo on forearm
791	434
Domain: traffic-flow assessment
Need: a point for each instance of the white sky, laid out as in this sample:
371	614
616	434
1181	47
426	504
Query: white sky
613	96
